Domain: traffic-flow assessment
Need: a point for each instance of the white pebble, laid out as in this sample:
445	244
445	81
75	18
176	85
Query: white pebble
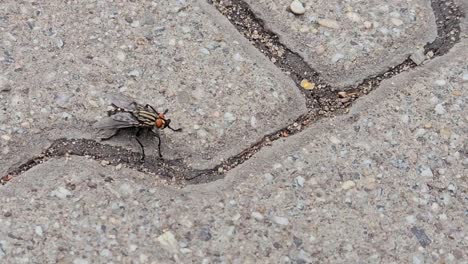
121	55
300	181
297	7
134	73
465	76
410	219
39	231
348	185
257	216
229	117
337	57
440	82
80	261
168	241
280	220
268	177
426	172
61	193
397	22
439	109
334	140
353	16
329	23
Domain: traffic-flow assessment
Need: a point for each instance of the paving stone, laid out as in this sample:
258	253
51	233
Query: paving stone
220	90
257	214
348	41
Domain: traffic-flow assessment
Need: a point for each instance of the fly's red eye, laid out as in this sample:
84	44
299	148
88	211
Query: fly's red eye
161	115
160	123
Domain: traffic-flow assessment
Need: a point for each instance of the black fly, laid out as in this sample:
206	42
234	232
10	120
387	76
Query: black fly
133	115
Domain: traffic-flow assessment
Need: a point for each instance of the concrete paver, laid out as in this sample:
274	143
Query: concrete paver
66	57
349	41
385	183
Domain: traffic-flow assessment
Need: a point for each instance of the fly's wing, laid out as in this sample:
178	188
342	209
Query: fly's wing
122	102
116	121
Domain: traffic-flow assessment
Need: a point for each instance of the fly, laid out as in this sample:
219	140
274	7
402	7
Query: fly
134	115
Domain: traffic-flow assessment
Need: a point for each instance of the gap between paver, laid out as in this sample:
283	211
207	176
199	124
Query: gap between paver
323	101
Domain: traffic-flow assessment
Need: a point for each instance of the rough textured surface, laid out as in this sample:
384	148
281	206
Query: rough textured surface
61	59
348	41
384	184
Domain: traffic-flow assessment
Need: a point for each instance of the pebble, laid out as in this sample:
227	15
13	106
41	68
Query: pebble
348	185
168	241
121	55
297	7
300	181
334	140
418	57
134	73
258	216
368	24
329	23
125	190
307	85
465	76
4	86
6	137
229	117
439	109
205	51
204	234
253	122
353	17
440	82
280	220
38	231
337	57
238	57
268	177
61	193
80	261
397	22
426	172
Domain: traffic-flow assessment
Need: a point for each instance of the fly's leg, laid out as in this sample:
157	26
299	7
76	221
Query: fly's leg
159	142
111	136
141	145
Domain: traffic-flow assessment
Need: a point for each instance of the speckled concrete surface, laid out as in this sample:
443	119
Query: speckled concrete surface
348	41
61	59
385	183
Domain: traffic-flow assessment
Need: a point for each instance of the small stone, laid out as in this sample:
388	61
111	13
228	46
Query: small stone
452	188
465	77
118	167
397	22
268	177
334	140
337	57
205	51
168	241
135	23
297	7
426	172
59	43
258	216
410	219
445	133
229	117
300	181
280	220
38	230
80	261
105	253
368	24
320	49
440	82
134	73
204	234
61	193
125	190
5	137
105	162
418	56
253	122
353	17
121	55
348	185
238	57
307	85
439	109
329	23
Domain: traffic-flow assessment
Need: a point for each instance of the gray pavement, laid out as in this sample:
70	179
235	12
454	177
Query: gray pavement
349	41
386	182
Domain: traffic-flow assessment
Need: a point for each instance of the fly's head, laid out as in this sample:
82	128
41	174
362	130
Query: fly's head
161	122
